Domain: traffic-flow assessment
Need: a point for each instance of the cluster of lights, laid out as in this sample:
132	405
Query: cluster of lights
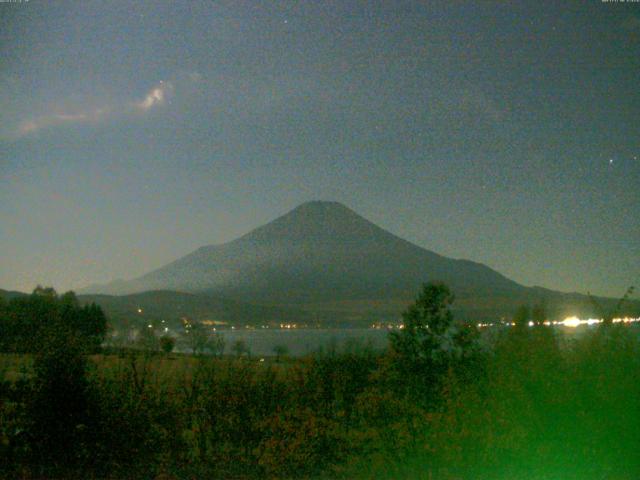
571	322
574	322
166	329
219	324
388	326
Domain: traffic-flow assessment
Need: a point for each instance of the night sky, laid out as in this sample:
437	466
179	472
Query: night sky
131	134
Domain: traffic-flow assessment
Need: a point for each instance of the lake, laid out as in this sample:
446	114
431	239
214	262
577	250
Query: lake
301	341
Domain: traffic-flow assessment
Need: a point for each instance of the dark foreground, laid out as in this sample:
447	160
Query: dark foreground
528	408
437	404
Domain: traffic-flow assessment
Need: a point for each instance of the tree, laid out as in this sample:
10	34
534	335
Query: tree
608	315
90	321
430	341
216	344
60	407
522	316
197	338
4	324
28	321
167	343
240	347
46	292
426	325
538	314
94	325
147	339
280	351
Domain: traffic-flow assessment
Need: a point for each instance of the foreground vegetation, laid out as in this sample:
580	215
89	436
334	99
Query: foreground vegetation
437	405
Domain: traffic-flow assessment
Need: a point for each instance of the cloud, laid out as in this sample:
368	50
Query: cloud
156	98
51	120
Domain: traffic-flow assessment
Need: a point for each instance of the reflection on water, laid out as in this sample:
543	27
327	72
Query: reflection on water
302	341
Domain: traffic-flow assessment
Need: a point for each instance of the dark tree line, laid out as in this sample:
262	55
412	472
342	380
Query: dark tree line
27	323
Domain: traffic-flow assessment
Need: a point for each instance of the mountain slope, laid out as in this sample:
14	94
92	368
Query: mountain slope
318	252
10	294
324	260
171	306
167	305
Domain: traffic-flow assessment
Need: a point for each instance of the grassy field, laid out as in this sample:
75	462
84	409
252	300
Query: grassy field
530	405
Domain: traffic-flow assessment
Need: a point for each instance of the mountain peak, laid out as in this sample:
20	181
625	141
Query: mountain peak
319	251
316	220
322	208
322	205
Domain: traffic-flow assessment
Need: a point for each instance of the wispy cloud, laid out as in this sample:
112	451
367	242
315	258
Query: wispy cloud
32	125
157	97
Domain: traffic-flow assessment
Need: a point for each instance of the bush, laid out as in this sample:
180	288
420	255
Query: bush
167	343
61	424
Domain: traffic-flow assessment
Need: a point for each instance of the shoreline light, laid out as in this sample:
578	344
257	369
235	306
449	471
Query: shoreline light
574	321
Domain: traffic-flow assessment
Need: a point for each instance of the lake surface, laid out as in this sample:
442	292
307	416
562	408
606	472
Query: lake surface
301	341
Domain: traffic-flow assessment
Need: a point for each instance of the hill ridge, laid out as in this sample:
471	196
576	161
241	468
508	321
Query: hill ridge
322	256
